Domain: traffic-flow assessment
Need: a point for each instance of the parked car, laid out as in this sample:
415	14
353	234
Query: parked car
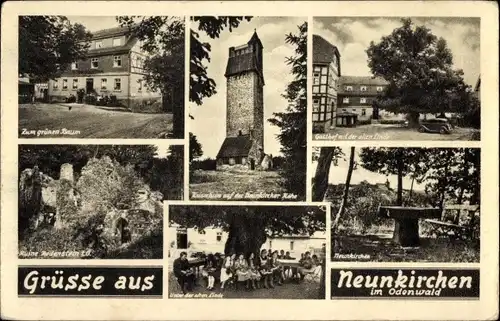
436	125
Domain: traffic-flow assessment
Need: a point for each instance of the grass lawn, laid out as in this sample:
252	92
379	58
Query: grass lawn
379	248
305	290
393	132
85	121
227	182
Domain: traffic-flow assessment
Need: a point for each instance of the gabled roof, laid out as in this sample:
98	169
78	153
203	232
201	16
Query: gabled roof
363	80
238	146
323	51
113	32
113	50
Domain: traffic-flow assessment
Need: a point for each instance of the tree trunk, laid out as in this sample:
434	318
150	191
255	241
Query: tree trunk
246	234
406	232
341	210
400	181
320	183
413	119
411	189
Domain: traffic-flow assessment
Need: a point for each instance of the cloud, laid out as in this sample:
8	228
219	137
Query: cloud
210	119
353	35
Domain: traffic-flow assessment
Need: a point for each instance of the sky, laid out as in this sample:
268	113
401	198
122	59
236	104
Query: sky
338	174
209	124
352	37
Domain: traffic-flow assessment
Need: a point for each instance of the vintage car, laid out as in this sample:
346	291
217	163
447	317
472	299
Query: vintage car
436	125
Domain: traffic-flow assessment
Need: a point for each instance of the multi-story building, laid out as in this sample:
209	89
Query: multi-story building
113	66
326	73
356	96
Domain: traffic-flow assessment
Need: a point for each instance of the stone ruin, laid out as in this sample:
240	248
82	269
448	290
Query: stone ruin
57	204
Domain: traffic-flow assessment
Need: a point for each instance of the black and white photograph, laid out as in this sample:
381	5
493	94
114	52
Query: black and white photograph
396	78
101	76
401	204
243	251
96	201
248	80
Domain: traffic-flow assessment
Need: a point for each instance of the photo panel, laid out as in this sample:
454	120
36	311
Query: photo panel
396	78
101	77
96	201
247	251
401	204
248	119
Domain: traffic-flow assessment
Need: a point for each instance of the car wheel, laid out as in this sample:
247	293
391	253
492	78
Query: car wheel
421	129
443	130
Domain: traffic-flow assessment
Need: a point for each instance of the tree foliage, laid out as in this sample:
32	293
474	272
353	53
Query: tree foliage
195	148
48	45
293	122
419	68
200	84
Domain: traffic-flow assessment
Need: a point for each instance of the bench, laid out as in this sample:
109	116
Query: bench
453	227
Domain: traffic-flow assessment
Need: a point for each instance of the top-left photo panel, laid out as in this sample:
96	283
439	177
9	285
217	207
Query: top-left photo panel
101	77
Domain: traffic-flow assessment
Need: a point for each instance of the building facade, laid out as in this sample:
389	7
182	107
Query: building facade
212	240
326	73
113	66
244	142
356	99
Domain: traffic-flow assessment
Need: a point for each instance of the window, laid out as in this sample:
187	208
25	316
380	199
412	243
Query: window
345	100
363	112
202	232
219	237
94	63
117	42
317	68
379	88
74	66
324	70
315	89
363	88
354	110
348	88
98	44
65	84
323	89
118	84
55	84
323	80
315	101
323	100
104	83
140	85
362	100
291	245
344	109
117	61
316	78
75	83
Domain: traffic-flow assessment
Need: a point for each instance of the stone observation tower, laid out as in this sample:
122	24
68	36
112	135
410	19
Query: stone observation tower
244	142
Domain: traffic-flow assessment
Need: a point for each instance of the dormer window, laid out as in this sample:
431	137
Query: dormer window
98	44
117	61
363	88
94	63
117	42
379	88
348	88
362	100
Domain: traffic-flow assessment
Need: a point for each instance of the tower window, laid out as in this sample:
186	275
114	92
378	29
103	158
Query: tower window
240	132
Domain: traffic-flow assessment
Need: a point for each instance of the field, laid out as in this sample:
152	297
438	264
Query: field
393	132
227	182
85	121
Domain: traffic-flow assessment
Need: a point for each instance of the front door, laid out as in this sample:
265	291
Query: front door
252	163
182	239
89	86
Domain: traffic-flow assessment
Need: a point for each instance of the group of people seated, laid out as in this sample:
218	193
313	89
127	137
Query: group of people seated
255	271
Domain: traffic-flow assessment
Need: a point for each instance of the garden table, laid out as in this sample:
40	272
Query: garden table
196	263
406	222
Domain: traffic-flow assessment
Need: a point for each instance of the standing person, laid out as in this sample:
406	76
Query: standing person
183	273
226	272
264	269
209	271
254	272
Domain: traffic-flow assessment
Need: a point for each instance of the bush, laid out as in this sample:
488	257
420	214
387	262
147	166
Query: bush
208	164
50	239
90	99
364	122
71	99
392	121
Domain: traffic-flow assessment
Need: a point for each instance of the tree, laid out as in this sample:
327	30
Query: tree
320	182
345	195
293	136
249	226
162	39
418	66
48	45
200	84
393	161
195	148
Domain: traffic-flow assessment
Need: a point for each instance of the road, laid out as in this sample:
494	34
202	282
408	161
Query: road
86	121
390	132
